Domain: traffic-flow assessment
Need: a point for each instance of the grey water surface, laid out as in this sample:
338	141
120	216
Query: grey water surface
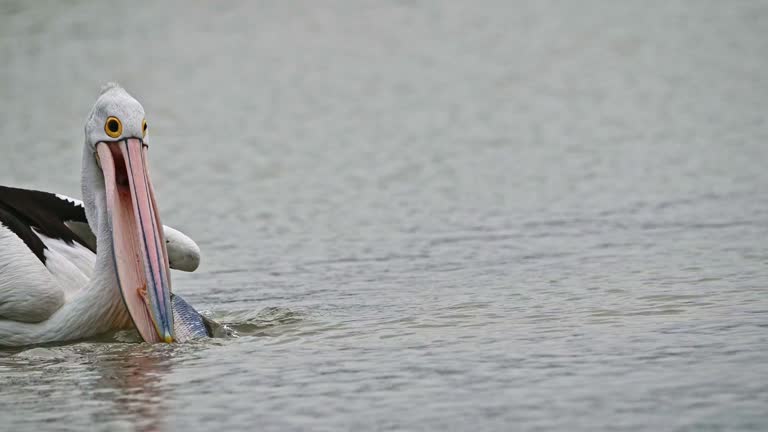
418	215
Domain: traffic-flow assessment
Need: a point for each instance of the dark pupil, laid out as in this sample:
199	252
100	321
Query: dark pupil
145	126
112	125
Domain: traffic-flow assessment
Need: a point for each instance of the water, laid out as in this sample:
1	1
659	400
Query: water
419	215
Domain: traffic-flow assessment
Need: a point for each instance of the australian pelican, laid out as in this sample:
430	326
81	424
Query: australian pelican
72	269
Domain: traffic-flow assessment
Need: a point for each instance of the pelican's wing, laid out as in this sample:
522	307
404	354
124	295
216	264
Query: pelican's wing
42	260
183	252
45	213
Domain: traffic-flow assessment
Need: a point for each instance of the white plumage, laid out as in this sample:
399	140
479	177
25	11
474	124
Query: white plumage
55	289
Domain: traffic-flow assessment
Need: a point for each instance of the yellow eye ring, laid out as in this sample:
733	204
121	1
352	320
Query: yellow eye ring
144	127
113	127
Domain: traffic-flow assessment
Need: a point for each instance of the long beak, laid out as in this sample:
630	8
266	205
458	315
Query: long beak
141	259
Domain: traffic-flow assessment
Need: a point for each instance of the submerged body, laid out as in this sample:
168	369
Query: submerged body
187	322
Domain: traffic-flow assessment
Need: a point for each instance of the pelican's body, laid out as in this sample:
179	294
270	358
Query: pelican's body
45	295
72	269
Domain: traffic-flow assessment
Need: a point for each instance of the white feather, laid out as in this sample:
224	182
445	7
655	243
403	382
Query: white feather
70	265
28	293
74	201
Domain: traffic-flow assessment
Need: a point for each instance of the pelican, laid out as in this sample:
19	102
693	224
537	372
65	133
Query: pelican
72	269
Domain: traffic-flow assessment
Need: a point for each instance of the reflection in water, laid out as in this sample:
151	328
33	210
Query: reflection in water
119	385
115	385
131	380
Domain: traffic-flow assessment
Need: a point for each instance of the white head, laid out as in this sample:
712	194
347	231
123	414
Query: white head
115	102
121	209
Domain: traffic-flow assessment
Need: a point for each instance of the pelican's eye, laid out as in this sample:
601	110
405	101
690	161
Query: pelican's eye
113	127
144	127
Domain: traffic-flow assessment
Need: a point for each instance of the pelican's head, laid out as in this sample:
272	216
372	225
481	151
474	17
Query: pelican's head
120	203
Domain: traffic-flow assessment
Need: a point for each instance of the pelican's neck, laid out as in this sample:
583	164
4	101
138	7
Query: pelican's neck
101	297
97	307
95	202
94	195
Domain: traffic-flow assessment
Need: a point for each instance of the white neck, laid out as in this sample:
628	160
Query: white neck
99	303
96	308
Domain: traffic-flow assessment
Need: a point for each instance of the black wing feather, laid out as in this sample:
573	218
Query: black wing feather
21	210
